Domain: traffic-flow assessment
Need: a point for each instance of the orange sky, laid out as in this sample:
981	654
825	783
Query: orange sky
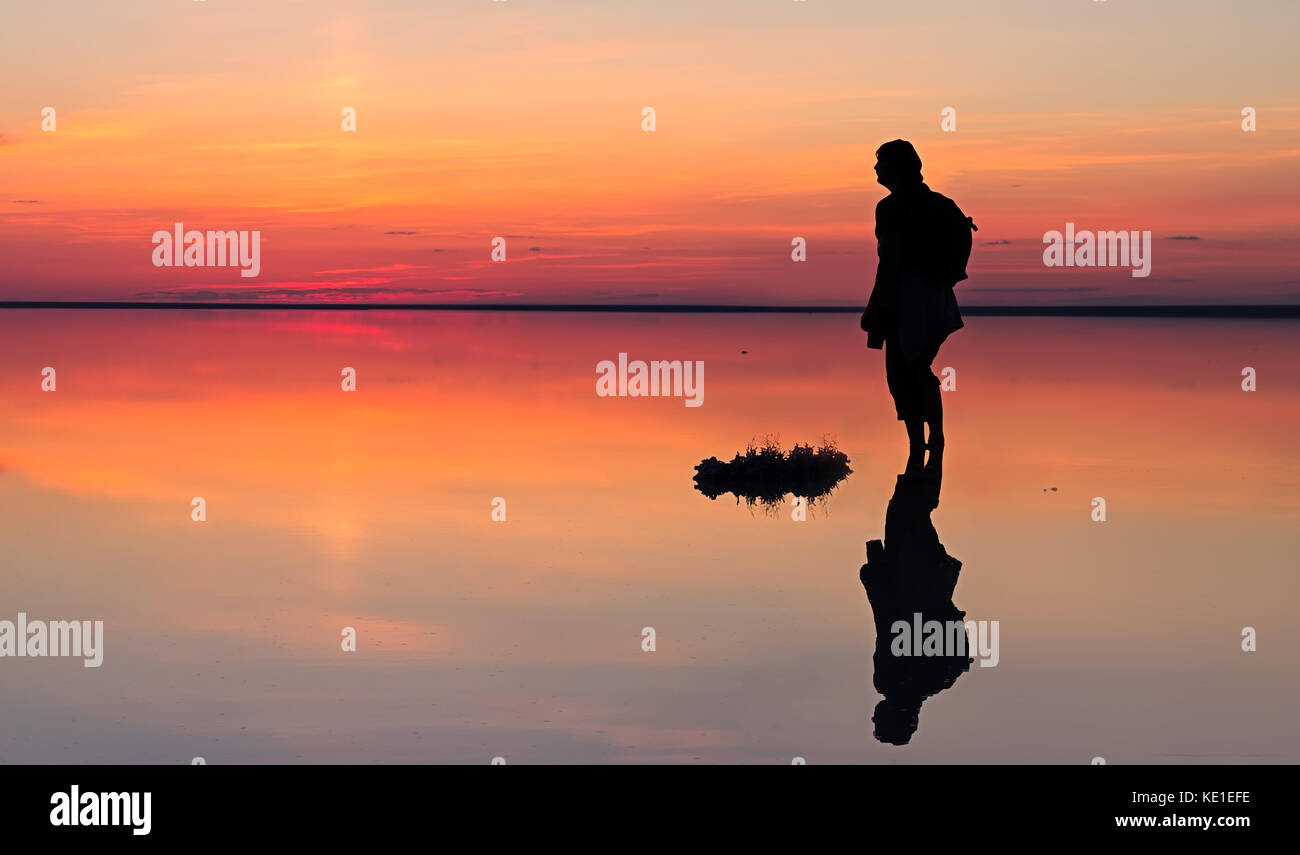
524	121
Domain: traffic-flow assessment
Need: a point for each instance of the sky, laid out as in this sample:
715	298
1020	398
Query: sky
524	121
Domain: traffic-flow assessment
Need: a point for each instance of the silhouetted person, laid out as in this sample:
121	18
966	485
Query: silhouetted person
911	573
924	241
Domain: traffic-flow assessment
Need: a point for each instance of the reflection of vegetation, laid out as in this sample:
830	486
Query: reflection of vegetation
765	474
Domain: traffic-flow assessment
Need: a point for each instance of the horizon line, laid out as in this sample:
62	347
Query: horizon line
1191	310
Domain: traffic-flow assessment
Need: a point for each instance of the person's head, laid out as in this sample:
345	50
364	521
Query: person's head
896	720
898	164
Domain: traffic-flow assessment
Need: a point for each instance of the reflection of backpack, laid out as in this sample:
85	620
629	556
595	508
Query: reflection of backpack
951	231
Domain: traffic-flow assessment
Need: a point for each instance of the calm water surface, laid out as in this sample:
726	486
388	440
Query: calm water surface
522	638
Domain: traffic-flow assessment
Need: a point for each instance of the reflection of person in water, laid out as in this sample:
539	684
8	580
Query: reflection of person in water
911	574
924	242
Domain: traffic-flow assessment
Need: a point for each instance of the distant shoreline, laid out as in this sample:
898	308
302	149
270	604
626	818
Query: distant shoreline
1181	311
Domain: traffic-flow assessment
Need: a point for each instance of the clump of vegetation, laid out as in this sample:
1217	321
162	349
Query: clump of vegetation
764	474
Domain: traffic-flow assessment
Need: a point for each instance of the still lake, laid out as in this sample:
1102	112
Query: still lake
523	638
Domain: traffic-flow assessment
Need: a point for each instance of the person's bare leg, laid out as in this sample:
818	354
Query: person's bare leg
936	429
936	432
915	432
915	443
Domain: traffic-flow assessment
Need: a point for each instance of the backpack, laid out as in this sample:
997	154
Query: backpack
952	234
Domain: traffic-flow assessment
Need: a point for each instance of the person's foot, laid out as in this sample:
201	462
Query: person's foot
935	463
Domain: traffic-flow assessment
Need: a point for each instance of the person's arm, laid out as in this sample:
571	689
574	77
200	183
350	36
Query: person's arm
883	293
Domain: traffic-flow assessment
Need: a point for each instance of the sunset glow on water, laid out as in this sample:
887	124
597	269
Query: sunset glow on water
522	638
